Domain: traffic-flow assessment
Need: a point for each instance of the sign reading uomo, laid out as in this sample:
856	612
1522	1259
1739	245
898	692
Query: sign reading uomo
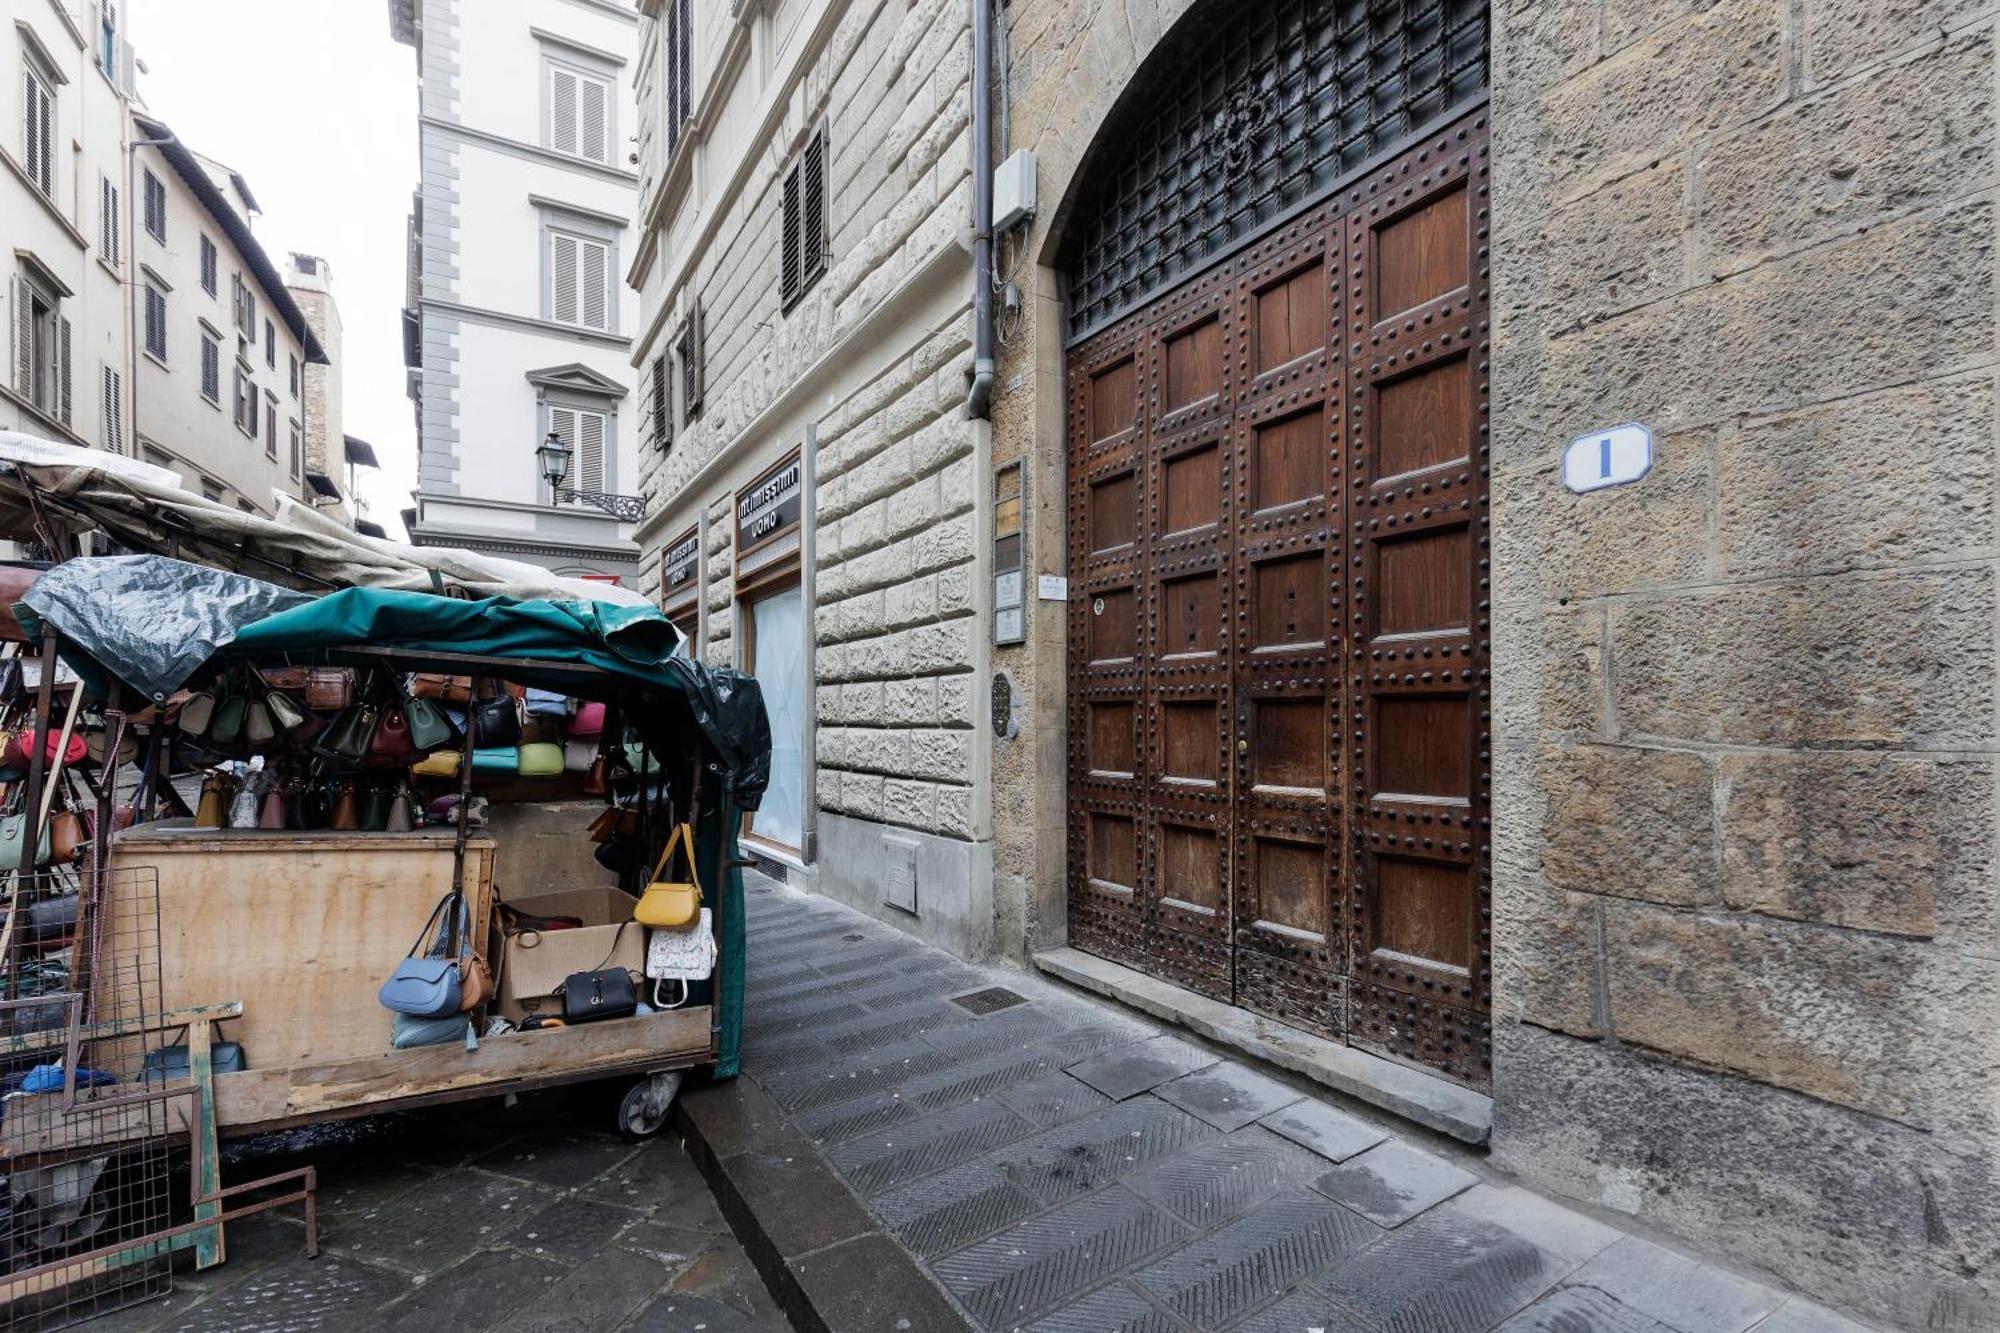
681	563
768	506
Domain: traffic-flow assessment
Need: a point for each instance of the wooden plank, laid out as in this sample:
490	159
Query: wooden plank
302	928
26	1132
263	1097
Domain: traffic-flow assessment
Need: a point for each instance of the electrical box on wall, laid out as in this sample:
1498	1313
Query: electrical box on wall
1014	190
1010	599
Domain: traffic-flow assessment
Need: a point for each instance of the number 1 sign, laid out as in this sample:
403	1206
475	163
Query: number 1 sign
1608	458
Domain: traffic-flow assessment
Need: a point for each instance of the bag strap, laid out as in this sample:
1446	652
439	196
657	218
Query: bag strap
464	813
427	934
681	830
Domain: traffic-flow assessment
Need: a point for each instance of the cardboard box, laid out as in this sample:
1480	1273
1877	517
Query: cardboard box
530	972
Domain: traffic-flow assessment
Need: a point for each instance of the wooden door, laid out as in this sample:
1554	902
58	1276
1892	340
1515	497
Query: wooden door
1278	735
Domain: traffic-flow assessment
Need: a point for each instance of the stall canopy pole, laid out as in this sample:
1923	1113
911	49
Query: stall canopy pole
31	837
464	813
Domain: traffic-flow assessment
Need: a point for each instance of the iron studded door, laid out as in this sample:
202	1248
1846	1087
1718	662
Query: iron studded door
1278	738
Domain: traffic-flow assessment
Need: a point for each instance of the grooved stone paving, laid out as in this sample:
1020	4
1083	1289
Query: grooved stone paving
1063	1167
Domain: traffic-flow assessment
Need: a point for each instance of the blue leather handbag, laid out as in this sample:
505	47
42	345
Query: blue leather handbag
407	1032
428	987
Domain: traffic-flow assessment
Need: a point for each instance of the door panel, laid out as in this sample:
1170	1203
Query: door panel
1278	715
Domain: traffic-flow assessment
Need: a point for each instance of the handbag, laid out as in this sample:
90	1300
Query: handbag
212	810
427	987
506	760
682	955
389	743
671	904
258	727
14	831
227	726
19	753
285	714
496	723
547	703
613	820
346	814
437	764
375	810
435	685
579	756
273	813
329	687
197	712
351	733
399	811
96	741
291	680
407	1032
594	783
429	728
588	723
590	996
543	759
66	836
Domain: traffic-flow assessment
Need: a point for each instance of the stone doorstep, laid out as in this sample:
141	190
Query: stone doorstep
1398	1089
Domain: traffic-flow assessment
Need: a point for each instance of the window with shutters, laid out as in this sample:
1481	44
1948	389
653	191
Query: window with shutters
245	310
38	127
662	404
156	323
580	271
211	366
107	220
270	424
678	17
588	436
246	400
579	118
211	490
208	266
155	203
688	349
802	251
294	381
270	345
107	39
298	449
112	408
40	336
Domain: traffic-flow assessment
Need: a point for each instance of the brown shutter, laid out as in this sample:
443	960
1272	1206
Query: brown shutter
663	417
694	364
812	189
791	262
62	371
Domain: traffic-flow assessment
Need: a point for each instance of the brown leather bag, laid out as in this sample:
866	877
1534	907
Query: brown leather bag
286	680
66	835
272	815
329	687
435	685
346	810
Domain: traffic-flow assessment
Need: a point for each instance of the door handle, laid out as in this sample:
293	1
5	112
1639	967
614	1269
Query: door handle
1243	747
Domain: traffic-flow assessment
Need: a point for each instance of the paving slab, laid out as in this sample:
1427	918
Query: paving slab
1438	1274
1583	1310
1034	1265
1222	1277
1128	1071
1228	1096
1334	1135
1676	1289
1220	1179
1393	1182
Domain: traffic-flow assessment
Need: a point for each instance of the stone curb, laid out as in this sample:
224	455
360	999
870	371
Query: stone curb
827	1263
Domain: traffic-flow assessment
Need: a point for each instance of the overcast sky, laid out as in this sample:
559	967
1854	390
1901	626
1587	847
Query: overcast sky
316	106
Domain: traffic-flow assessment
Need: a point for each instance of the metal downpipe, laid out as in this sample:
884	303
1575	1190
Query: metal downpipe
979	399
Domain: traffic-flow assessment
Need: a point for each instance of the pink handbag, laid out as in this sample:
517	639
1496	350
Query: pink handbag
588	720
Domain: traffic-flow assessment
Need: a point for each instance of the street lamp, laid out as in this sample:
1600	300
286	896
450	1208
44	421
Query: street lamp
555	456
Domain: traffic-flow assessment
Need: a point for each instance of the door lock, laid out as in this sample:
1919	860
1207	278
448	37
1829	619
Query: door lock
1243	747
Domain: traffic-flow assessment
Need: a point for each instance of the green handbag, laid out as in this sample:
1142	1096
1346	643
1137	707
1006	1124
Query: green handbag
228	724
14	828
430	729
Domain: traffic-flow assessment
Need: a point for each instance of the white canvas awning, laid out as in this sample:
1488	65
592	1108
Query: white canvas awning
143	507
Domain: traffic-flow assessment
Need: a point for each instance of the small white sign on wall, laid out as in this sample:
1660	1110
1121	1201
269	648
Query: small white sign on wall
1608	458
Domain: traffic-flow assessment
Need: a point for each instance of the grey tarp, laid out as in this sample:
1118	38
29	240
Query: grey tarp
144	508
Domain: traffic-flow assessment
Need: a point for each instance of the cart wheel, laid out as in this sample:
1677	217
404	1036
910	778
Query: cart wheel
642	1111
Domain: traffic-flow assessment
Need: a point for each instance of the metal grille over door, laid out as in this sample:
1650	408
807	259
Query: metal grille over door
1278	645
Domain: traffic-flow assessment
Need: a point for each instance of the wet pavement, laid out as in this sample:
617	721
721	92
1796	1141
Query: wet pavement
530	1219
1043	1160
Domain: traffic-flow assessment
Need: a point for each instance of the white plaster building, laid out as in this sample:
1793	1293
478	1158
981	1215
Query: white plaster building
219	395
821	500
65	218
519	322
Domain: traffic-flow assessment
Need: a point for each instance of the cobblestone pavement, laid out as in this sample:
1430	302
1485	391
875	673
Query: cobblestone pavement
527	1219
1062	1166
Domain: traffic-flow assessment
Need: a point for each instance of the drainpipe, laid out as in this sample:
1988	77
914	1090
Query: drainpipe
979	401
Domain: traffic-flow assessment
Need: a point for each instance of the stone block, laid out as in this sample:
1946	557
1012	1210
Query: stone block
1900	844
1615	249
908	702
954	812
1549	680
1630	823
1841	36
1831	488
861	794
1613	540
1539	43
1891	1027
909	603
912	803
1545	960
954	701
1907	136
1897	659
1699	74
1876	1214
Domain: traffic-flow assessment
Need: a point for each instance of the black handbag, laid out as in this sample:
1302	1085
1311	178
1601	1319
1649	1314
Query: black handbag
589	996
496	722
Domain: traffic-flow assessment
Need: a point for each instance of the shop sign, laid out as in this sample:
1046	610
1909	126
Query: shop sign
1608	458
769	506
682	562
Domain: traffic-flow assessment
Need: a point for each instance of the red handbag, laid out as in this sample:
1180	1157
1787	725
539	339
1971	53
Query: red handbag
391	742
18	756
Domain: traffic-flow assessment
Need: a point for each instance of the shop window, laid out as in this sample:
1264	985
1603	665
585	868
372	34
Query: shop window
774	652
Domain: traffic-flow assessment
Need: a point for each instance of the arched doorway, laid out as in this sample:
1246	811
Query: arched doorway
1277	407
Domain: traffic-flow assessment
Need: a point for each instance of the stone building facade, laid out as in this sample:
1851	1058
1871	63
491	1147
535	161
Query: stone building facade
1725	889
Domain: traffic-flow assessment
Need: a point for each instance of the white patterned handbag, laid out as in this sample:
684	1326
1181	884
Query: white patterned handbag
682	955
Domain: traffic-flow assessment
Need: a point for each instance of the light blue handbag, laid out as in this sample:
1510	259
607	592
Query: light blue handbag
407	1032
429	987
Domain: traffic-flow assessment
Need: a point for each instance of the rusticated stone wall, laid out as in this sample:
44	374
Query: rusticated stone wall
1747	949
